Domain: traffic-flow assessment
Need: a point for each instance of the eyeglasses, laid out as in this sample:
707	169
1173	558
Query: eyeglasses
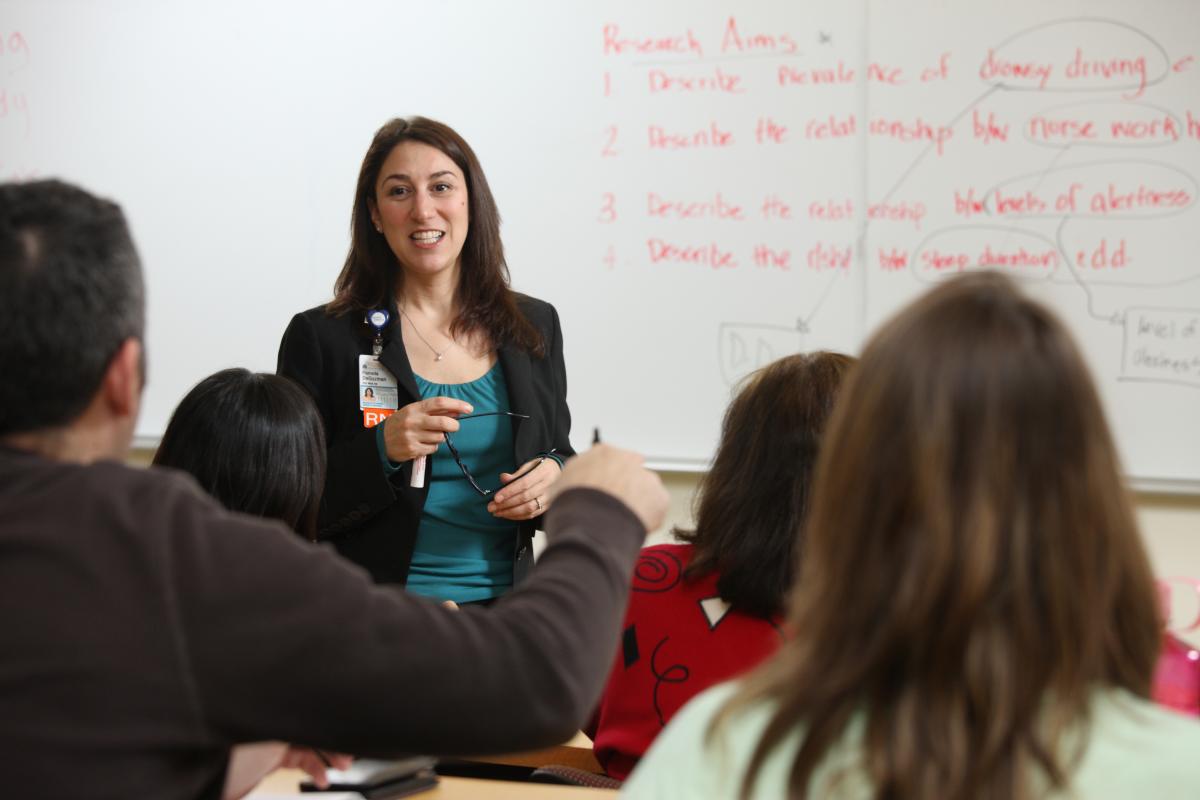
458	459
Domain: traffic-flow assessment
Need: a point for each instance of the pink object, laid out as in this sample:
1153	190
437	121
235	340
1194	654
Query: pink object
1177	676
418	473
1166	601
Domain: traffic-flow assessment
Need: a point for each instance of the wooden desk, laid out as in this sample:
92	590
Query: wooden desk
287	781
477	782
576	753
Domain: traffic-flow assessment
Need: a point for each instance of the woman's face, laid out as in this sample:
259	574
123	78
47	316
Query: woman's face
421	208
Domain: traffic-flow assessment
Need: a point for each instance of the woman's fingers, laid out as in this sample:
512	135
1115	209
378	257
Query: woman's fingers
315	762
338	760
421	449
303	758
444	406
532	475
525	497
531	498
431	422
418	428
528	488
521	512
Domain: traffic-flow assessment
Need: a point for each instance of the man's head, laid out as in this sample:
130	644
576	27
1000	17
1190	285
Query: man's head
72	303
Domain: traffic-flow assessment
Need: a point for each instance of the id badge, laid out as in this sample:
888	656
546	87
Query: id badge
378	393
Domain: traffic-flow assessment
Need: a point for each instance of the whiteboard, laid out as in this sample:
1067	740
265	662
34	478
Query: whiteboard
1064	151
698	187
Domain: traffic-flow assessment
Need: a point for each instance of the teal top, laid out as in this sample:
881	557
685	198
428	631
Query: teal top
1134	749
463	553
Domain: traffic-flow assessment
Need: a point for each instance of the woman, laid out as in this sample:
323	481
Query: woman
706	610
424	316
975	614
254	442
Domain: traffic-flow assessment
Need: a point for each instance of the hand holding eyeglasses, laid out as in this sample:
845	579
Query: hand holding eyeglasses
418	428
526	497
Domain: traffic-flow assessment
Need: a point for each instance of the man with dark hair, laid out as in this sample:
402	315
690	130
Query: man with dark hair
146	630
61	309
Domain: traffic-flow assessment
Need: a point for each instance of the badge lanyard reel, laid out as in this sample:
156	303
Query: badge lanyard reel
378	320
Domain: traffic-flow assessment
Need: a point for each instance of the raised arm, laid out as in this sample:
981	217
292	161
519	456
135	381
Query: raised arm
286	642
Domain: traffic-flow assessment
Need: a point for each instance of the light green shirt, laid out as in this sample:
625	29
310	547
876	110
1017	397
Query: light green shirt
1135	750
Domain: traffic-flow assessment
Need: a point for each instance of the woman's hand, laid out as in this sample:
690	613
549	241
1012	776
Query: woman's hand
418	428
525	498
250	763
315	762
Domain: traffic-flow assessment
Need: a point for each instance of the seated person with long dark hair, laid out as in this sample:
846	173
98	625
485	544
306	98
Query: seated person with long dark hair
706	610
975	616
253	441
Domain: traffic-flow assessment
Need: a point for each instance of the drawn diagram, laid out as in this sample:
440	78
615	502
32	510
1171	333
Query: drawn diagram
1108	210
745	347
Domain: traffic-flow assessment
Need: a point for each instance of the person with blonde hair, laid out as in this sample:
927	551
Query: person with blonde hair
975	616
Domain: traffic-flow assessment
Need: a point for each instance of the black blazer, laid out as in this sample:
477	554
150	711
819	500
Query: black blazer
372	519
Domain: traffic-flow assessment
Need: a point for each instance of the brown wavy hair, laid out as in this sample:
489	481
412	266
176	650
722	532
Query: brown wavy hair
972	567
483	299
751	503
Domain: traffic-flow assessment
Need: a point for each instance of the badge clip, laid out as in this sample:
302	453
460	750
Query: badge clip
378	319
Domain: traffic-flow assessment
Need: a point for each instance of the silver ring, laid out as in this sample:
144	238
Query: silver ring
539	503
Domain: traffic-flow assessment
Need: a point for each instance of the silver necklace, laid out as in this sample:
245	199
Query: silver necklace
437	356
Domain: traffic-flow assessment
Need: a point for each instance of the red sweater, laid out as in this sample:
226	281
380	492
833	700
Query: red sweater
679	638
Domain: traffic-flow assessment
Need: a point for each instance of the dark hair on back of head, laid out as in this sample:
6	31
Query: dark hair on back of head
70	295
255	442
751	504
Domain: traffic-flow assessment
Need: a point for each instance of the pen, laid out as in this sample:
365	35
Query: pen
596	435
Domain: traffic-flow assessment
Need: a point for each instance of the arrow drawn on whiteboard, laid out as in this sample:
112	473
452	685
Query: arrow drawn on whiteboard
804	324
743	347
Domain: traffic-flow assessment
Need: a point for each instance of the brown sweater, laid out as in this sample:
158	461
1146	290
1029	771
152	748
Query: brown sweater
143	630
